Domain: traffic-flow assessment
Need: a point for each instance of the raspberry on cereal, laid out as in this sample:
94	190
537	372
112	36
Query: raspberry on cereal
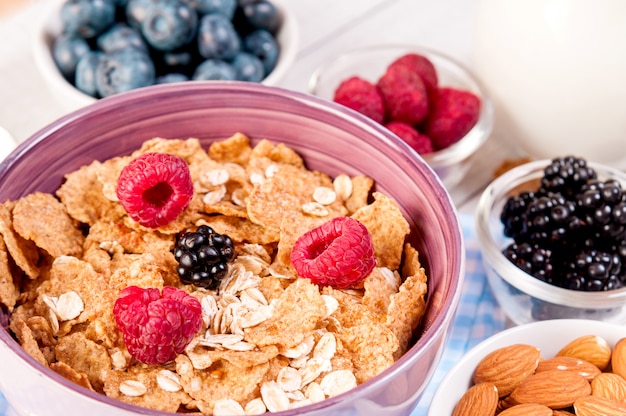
338	253
454	113
420	142
155	188
362	96
404	95
423	67
157	326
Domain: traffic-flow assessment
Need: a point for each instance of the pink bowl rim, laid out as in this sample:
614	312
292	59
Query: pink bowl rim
438	328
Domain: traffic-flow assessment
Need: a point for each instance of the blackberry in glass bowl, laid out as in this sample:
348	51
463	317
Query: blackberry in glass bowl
553	240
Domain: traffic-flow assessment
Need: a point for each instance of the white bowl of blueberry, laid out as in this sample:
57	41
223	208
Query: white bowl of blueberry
553	239
90	49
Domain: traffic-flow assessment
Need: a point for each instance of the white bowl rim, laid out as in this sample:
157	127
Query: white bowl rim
458	151
514	275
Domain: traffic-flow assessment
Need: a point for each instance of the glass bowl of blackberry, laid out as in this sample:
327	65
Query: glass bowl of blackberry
445	121
553	240
86	50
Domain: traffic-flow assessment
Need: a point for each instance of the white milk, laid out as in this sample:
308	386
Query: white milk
556	70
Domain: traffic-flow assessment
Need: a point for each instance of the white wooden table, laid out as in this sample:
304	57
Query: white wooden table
326	28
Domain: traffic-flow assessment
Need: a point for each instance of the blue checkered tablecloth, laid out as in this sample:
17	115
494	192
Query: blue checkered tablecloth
478	316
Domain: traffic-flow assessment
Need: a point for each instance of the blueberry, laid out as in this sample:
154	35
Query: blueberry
183	60
248	67
121	36
124	70
136	11
66	51
87	18
214	69
261	14
217	37
171	77
224	7
169	24
263	45
85	79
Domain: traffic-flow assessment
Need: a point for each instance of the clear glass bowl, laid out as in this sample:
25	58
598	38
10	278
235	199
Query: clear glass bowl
370	63
523	297
48	26
330	138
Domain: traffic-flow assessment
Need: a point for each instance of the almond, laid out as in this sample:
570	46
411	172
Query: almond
591	348
527	409
555	389
610	386
577	365
596	406
618	361
506	367
480	399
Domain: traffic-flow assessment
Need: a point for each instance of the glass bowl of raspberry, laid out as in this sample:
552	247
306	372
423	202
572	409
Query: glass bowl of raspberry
553	238
170	42
330	140
426	97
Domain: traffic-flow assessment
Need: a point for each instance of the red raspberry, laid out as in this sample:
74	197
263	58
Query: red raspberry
156	327
454	113
362	96
404	95
155	188
338	253
423	67
420	142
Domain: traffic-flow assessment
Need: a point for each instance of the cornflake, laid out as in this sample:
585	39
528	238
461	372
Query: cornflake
270	341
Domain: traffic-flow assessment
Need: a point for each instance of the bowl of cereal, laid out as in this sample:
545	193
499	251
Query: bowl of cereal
81	48
177	268
568	354
424	96
552	234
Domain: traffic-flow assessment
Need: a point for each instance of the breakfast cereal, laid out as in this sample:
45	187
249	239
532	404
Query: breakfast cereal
270	340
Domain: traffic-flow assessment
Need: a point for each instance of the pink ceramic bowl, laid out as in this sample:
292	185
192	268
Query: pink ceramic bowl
331	139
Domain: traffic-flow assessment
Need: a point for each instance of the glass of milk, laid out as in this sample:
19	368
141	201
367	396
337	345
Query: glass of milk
556	70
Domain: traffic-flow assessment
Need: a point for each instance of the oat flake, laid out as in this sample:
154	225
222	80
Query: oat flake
257	178
133	388
216	177
325	347
314	208
255	407
274	397
228	407
331	303
289	379
314	392
214	196
69	306
324	195
337	382
343	186
302	349
271	171
168	381
117	358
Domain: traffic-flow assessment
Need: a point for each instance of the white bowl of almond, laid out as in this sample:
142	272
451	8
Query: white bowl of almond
561	367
